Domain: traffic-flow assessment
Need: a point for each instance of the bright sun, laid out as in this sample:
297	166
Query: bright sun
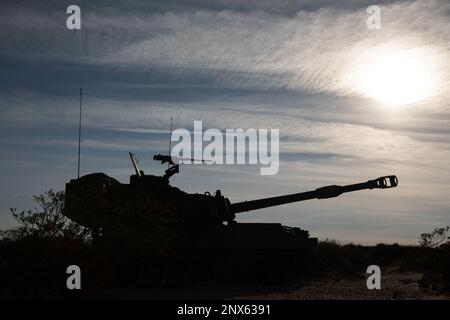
398	77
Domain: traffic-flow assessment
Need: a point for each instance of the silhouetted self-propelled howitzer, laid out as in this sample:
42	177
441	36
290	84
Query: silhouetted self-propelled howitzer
194	225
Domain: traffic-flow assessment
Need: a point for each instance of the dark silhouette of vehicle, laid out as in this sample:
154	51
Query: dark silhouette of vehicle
206	240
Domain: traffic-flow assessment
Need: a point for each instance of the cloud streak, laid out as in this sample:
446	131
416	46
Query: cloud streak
255	49
348	139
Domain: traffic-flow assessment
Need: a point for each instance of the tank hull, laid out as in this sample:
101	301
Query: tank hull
249	236
134	221
242	252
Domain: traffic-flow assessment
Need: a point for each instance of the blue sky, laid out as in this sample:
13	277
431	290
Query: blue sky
291	65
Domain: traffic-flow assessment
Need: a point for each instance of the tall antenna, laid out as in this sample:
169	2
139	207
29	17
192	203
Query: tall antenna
79	133
170	138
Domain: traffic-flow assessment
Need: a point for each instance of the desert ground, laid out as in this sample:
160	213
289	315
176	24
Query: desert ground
395	285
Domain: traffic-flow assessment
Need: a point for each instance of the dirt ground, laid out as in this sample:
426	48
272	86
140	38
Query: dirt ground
394	285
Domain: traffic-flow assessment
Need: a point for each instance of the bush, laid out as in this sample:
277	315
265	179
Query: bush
45	222
34	267
435	238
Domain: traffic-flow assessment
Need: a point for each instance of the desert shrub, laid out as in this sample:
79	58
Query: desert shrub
34	256
35	267
330	256
45	221
437	276
435	238
407	257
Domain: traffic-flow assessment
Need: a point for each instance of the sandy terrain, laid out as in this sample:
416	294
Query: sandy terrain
394	285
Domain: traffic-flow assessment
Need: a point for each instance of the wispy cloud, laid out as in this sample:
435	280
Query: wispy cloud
251	49
359	140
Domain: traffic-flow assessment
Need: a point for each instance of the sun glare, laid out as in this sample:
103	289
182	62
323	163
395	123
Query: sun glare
397	77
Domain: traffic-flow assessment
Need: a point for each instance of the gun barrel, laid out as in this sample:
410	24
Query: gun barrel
320	193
